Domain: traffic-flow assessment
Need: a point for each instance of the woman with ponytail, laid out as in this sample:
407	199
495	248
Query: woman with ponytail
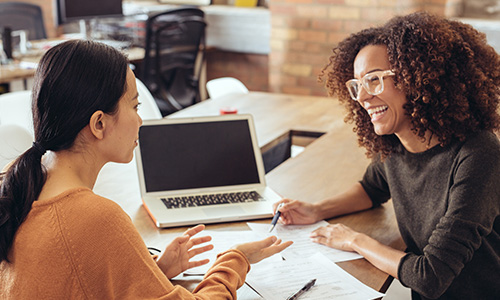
59	240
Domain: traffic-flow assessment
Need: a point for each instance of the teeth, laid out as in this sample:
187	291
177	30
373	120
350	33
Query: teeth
377	110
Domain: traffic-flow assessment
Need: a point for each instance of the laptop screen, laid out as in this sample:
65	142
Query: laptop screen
197	155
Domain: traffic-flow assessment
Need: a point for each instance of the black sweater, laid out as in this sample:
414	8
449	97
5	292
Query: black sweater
447	204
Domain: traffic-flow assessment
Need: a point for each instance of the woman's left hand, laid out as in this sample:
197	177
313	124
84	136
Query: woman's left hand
336	236
177	255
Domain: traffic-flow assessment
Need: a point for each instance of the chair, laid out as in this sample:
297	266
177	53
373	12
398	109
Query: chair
148	110
23	16
174	52
225	85
14	140
15	108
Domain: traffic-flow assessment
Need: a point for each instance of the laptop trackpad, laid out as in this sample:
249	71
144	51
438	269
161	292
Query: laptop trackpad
224	211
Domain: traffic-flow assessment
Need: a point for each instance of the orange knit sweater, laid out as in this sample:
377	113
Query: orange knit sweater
81	246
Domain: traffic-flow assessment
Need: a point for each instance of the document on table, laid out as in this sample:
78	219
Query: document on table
222	241
276	280
302	245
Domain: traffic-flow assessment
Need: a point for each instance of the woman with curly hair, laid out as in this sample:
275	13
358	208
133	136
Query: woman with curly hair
424	103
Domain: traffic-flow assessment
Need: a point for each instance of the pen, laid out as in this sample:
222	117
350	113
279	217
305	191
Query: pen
276	217
306	287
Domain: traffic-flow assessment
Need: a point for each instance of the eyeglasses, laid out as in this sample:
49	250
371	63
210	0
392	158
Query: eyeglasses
372	82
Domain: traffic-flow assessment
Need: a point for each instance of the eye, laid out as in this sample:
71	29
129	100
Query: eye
136	107
372	79
371	82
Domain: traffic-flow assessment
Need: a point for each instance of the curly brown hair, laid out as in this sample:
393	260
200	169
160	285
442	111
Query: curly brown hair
450	75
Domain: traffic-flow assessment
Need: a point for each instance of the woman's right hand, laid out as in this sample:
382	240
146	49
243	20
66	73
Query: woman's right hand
257	251
296	212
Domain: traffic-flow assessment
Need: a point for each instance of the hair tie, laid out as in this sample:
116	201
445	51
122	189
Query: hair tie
39	148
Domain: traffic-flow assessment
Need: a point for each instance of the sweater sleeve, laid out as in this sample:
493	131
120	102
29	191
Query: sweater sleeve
111	260
472	209
374	183
226	275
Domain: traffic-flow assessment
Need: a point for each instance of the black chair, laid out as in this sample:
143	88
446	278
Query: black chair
174	52
23	16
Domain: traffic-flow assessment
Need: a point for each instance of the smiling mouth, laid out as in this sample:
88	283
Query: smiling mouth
377	111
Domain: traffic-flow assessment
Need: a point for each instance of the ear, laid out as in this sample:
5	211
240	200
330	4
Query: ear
97	124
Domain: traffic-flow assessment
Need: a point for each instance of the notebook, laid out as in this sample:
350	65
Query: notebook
183	162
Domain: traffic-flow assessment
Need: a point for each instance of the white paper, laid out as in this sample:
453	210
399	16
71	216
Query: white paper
222	241
302	245
277	280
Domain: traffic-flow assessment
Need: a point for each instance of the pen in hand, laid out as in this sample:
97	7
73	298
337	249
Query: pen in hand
276	217
306	287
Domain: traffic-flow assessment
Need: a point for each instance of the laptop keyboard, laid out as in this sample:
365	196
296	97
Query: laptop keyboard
202	200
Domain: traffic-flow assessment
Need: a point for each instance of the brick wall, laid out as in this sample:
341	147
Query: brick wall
251	69
304	32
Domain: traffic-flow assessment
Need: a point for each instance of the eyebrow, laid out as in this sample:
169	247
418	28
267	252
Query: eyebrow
374	70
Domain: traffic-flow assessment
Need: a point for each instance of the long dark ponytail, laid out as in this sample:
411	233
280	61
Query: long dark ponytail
73	80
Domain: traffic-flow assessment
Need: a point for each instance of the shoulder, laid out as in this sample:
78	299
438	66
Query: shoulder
84	204
107	252
86	214
477	166
483	145
91	223
483	139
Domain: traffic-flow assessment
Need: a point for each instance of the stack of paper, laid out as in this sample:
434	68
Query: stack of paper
283	274
302	244
276	280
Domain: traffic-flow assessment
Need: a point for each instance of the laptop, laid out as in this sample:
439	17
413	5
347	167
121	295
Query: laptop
202	170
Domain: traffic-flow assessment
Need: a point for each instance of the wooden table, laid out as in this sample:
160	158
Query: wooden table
327	166
13	72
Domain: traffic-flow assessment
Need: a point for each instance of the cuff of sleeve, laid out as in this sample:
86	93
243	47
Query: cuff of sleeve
375	203
240	253
401	273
